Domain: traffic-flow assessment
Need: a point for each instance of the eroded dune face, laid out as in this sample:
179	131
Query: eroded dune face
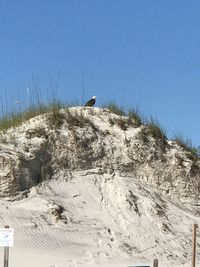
96	189
98	220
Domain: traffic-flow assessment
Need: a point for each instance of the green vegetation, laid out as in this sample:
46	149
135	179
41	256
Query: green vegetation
77	120
15	119
134	117
54	114
153	129
120	122
57	113
156	130
55	117
114	108
187	145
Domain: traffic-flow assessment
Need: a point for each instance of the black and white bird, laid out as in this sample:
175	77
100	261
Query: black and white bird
91	102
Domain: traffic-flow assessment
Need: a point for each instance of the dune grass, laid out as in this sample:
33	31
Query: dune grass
156	130
115	109
16	118
134	115
55	118
187	145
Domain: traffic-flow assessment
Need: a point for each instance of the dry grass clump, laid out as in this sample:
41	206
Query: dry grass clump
9	121
58	115
187	145
130	118
15	119
155	130
158	133
114	108
76	119
134	117
55	117
120	122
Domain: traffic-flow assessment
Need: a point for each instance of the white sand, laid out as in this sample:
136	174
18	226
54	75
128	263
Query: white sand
101	229
92	219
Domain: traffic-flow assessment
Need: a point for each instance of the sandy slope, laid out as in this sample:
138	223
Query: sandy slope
98	190
96	220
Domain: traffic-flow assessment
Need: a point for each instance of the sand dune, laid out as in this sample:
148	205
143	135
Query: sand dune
95	220
96	190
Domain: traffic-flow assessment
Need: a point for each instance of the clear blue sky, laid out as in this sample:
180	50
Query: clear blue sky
142	53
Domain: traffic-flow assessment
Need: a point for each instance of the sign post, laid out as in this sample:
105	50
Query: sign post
194	245
6	256
155	263
6	241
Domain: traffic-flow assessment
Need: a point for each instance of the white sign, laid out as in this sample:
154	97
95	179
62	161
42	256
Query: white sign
6	237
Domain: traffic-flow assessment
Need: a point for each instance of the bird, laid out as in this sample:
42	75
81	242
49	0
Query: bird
91	102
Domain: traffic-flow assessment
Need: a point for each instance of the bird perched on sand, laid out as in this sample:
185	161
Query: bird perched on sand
91	102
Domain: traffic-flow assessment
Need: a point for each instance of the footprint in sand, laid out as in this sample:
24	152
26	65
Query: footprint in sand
89	256
72	263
